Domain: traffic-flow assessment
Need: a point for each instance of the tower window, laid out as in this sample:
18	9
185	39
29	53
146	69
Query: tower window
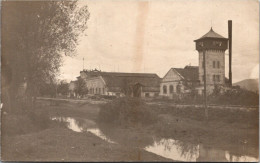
214	64
218	64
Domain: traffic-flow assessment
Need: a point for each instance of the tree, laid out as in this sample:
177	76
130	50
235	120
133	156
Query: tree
35	35
81	88
63	88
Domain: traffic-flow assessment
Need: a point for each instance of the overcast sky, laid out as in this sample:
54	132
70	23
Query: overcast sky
153	36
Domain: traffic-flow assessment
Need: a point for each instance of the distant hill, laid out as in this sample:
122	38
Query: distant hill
248	84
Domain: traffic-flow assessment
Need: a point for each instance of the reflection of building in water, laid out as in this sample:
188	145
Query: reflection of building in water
211	154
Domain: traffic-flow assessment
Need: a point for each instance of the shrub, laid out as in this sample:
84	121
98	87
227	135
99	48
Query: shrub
236	97
127	111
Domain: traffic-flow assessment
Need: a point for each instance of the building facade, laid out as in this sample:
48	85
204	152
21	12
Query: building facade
178	81
121	84
213	46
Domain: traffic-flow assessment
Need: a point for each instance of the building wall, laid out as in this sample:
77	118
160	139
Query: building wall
175	84
149	94
212	55
96	85
171	79
83	75
119	94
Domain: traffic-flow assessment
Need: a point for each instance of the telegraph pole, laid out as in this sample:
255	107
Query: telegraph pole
83	63
230	50
205	86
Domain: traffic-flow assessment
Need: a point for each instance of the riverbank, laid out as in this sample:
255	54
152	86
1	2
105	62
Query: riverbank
176	135
58	143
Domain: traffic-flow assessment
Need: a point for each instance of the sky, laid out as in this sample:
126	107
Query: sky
154	36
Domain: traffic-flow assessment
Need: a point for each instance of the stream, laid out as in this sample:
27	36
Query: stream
168	148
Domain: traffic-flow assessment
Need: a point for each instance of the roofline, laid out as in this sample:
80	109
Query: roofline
205	38
178	73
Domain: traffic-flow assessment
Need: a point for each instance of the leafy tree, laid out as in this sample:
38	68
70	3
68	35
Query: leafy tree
63	88
35	36
81	87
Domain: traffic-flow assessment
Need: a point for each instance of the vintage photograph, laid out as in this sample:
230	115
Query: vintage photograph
130	80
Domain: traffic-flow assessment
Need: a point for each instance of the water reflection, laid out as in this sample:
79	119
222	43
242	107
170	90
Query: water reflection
174	149
181	151
168	148
82	125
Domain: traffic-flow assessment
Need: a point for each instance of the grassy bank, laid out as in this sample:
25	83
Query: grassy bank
32	136
226	128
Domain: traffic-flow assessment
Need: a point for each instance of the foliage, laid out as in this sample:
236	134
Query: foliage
81	87
35	35
127	111
235	96
48	89
63	88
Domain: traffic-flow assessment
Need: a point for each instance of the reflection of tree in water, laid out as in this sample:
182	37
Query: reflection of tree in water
79	122
186	149
126	136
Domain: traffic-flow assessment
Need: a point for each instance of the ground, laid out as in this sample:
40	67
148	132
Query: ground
55	142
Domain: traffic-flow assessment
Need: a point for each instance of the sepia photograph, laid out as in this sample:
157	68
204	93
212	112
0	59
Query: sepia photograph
129	80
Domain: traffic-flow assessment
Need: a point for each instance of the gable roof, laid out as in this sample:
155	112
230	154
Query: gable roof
149	81
189	73
211	34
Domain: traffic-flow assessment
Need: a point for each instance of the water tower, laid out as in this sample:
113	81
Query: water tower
212	47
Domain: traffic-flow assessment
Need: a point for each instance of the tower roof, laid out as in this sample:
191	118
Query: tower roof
211	34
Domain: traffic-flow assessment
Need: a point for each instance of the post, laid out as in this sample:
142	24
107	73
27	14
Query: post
205	86
83	63
230	50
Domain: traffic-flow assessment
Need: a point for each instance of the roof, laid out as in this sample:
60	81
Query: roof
211	34
190	73
149	81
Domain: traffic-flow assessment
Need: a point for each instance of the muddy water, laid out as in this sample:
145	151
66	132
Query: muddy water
83	125
181	151
168	148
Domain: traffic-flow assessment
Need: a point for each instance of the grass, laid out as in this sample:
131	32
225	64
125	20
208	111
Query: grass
127	112
26	137
226	128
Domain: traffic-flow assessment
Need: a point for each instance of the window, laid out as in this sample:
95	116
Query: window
96	90
214	78
147	94
171	88
103	90
214	64
164	89
217	43
218	64
99	90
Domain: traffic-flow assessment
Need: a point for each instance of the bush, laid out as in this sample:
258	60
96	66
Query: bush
236	97
127	111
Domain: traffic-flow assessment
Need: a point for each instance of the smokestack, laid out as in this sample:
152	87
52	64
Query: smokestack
230	50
